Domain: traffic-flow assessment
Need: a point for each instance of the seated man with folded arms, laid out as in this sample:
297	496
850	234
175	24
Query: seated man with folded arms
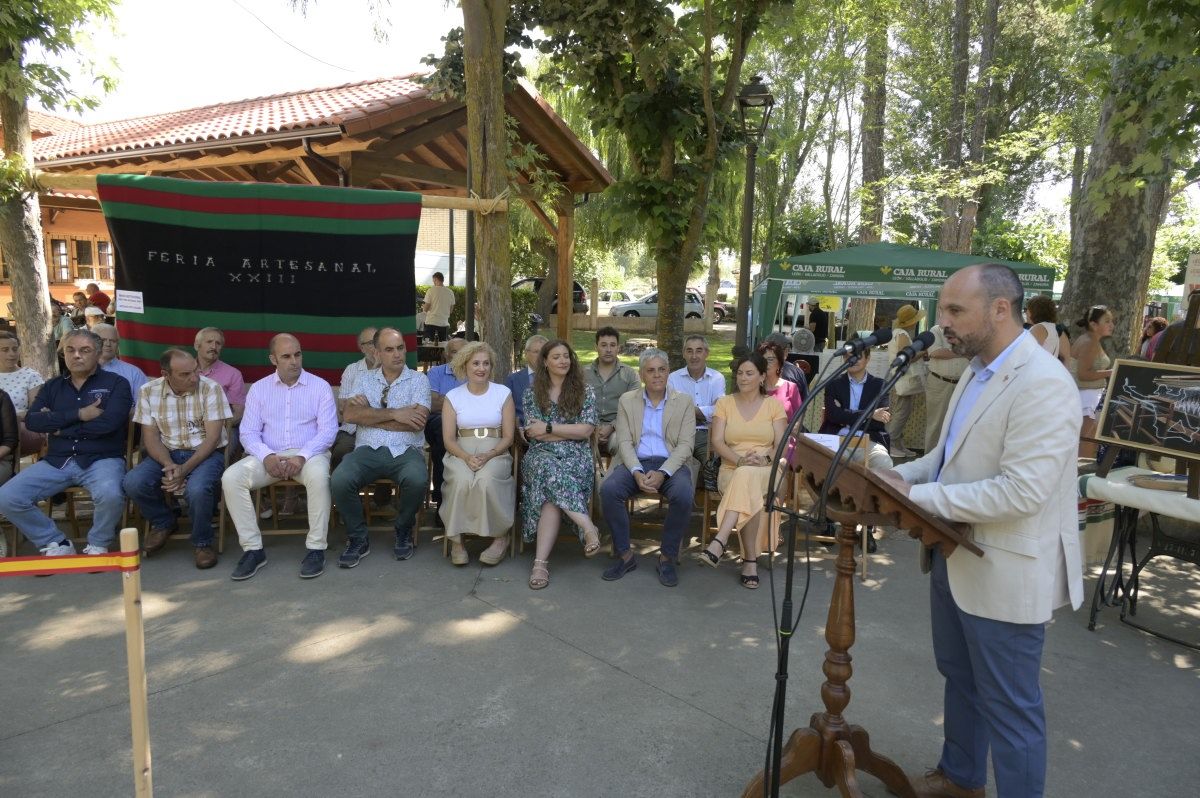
288	427
183	419
390	406
703	384
653	440
86	418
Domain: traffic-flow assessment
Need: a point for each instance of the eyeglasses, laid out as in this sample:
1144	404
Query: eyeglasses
383	397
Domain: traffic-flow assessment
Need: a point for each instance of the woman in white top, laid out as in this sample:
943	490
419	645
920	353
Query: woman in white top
1043	315
479	421
22	385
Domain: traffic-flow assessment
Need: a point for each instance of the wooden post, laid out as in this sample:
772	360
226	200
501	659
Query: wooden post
566	263
135	652
595	304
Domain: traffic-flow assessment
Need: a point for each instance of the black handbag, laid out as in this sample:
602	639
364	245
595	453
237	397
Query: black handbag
711	470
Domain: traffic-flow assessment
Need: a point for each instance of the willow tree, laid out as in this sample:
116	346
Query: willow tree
35	37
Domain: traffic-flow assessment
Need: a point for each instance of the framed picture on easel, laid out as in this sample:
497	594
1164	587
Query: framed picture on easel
1152	407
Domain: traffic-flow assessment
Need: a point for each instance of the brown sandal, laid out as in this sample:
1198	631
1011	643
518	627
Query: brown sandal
591	542
538	582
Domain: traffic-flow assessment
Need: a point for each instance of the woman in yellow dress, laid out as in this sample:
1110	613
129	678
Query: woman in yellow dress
746	430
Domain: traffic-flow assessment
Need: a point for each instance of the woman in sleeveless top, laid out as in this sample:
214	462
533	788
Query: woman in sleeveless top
1091	370
1043	315
22	384
479	422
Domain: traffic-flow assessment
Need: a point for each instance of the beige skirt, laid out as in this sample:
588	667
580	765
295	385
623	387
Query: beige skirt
479	502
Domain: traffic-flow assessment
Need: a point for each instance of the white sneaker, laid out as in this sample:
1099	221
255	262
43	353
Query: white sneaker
59	549
90	549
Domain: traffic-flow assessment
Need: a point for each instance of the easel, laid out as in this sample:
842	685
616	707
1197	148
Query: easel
128	562
830	747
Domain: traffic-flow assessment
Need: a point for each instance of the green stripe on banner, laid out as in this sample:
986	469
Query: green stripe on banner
255	322
246	357
290	224
194	188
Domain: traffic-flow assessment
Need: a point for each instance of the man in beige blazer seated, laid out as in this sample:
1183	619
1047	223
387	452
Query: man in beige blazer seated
653	438
1004	463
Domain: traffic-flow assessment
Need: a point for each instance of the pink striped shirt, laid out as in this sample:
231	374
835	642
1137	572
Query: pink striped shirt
278	417
229	378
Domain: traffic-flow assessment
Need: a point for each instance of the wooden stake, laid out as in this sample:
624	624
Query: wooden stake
135	652
69	182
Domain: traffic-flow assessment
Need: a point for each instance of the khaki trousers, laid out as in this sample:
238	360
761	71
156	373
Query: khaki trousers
249	474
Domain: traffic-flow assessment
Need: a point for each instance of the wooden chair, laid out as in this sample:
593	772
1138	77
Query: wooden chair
597	471
514	533
5	525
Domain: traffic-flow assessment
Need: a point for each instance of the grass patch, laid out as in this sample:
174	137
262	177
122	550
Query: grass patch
720	349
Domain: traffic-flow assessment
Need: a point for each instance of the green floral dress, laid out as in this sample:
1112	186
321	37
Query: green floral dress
558	472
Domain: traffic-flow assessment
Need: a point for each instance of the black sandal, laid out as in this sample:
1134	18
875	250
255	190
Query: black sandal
750	581
706	557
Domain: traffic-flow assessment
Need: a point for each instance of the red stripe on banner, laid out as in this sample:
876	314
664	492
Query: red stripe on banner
252	206
234	339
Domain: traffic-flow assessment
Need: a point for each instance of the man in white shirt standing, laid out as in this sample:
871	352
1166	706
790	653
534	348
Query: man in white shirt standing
438	305
703	384
287	429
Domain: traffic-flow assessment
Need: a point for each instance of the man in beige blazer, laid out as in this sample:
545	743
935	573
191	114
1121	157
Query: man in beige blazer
653	439
1004	463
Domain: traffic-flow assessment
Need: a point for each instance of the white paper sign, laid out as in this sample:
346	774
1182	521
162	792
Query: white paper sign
130	302
1193	269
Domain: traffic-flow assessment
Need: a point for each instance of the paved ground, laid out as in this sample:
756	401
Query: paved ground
419	679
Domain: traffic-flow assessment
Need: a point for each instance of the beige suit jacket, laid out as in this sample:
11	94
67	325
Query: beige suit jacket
1012	476
679	430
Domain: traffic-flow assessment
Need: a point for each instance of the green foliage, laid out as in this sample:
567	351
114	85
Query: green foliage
803	231
524	303
1036	241
54	30
1177	239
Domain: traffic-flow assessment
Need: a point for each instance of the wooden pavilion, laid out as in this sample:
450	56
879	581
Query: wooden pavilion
386	133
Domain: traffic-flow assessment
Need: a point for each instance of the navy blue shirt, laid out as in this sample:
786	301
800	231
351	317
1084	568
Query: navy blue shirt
56	408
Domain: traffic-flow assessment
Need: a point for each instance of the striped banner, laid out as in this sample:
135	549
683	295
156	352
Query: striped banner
256	259
70	564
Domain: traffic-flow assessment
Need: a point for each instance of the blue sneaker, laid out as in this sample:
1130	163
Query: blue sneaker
356	549
404	547
618	569
666	573
249	565
313	564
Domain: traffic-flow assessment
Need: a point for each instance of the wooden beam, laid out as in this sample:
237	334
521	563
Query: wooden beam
424	134
410	171
232	158
305	170
271	175
541	215
566	267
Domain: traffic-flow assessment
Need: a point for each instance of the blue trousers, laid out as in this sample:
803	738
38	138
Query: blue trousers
102	479
620	486
143	484
993	697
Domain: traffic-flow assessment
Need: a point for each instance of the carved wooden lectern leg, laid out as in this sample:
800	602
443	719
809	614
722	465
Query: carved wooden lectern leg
831	748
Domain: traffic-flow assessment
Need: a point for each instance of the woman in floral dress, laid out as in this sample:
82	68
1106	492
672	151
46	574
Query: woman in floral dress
557	472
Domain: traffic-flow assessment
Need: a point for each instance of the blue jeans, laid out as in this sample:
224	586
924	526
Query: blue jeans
993	697
143	484
620	485
102	479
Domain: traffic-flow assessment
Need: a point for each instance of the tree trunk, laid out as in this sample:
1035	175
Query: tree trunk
1112	244
21	237
487	143
713	285
952	158
1078	163
874	108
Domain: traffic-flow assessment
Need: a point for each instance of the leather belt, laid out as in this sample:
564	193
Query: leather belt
479	432
951	380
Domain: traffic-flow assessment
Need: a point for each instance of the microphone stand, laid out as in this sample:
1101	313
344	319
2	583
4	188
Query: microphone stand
786	624
814	518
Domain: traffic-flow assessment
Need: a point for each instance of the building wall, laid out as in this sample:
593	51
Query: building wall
78	252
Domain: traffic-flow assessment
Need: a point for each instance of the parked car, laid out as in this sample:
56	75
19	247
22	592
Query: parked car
579	297
693	306
721	310
608	297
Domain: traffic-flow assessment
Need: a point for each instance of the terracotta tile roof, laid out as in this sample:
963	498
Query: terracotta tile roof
46	124
293	111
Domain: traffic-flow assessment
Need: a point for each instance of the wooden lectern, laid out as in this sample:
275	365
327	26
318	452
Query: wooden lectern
830	747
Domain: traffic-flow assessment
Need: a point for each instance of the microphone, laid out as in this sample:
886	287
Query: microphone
920	344
877	338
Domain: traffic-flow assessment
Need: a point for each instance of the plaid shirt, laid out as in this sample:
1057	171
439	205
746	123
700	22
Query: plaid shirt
181	418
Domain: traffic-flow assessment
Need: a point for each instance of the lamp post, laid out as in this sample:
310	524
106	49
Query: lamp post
754	110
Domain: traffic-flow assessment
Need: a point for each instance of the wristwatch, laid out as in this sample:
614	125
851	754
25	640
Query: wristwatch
549	428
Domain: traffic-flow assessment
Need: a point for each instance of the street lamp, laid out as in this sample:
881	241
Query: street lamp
754	110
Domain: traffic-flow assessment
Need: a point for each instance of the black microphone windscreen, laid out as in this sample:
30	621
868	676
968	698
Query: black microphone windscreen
925	339
882	335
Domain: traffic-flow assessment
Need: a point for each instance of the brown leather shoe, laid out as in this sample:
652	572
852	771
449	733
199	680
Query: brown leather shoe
935	784
205	557
155	540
